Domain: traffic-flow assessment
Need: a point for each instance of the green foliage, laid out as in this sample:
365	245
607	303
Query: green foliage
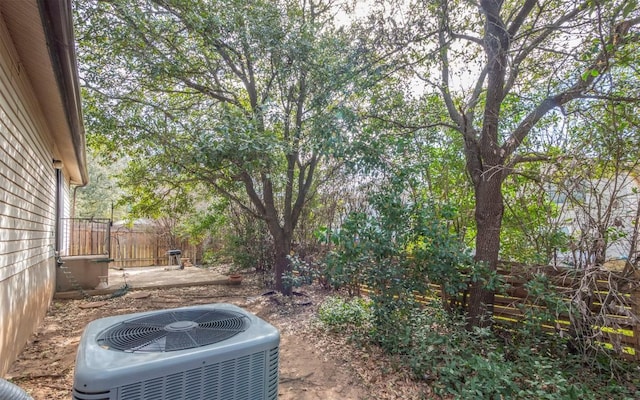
245	100
205	223
472	366
340	315
399	247
465	364
532	224
249	245
98	198
301	273
543	306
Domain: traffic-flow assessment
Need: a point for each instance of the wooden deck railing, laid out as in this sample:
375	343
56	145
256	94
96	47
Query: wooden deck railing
85	236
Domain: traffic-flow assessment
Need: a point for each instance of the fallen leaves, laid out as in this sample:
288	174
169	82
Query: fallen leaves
314	363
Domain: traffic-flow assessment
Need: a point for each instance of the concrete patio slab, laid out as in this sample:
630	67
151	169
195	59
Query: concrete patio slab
152	278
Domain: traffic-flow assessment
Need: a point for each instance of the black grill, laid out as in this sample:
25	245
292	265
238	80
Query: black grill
173	330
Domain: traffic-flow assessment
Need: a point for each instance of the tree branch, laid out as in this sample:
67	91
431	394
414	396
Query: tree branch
240	203
410	127
303	190
253	195
444	59
600	65
524	51
521	17
469	38
208	91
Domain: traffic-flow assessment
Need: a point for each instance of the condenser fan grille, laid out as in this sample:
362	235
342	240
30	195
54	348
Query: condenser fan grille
173	330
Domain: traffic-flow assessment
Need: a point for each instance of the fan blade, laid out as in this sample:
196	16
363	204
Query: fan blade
179	341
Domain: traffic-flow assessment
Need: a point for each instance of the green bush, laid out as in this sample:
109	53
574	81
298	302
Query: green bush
340	315
251	247
399	248
301	273
477	364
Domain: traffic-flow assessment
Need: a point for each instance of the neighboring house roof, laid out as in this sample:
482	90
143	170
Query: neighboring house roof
43	33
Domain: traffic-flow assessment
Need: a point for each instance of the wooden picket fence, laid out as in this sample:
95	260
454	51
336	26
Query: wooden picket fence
613	302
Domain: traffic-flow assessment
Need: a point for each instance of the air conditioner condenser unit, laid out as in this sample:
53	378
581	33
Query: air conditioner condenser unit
208	352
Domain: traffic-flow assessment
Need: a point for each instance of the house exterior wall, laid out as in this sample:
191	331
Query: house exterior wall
27	207
610	203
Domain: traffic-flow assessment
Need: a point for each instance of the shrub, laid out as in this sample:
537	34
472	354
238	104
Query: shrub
340	315
477	365
464	364
399	248
301	273
251	247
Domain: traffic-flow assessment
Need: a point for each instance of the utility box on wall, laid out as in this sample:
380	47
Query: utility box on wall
86	270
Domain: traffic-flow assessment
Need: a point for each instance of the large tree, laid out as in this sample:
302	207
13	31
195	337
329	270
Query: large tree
532	55
245	98
508	72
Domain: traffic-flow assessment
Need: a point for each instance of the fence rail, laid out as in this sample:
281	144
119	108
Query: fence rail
613	300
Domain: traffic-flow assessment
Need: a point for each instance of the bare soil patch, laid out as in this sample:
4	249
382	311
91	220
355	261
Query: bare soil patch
313	364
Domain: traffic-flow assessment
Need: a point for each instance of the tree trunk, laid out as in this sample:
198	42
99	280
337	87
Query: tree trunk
282	247
487	171
489	210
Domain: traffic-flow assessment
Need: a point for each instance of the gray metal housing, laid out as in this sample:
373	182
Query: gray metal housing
243	367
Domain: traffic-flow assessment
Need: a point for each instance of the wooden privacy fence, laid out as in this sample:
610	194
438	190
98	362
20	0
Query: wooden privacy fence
84	236
143	247
128	247
609	301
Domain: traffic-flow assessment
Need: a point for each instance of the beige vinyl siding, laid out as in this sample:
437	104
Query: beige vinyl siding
27	207
25	297
27	204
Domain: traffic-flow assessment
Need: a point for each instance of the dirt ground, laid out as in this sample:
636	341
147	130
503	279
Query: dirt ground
313	364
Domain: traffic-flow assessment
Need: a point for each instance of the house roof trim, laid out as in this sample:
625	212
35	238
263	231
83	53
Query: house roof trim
57	21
